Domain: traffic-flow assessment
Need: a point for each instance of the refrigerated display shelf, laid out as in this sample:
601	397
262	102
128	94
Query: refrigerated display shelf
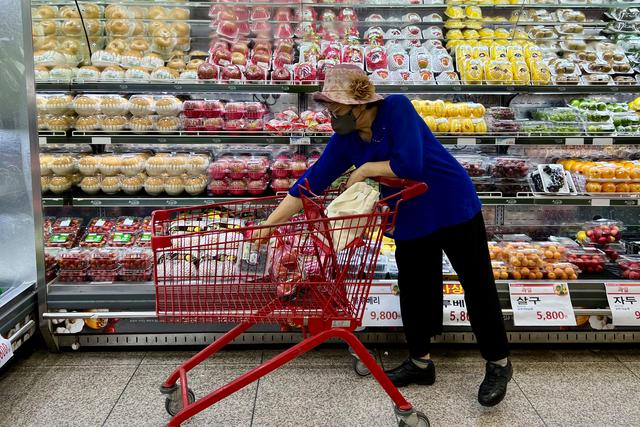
206	87
122	296
99	138
15	305
491	199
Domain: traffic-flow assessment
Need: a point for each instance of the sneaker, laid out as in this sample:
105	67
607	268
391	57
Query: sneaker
494	386
409	373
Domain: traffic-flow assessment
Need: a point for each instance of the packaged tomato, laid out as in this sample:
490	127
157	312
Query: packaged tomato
66	225
129	224
144	240
104	259
136	275
94	240
104	275
61	240
74	259
73	275
137	259
121	239
100	225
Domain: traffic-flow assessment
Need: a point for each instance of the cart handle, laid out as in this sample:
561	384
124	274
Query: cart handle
410	189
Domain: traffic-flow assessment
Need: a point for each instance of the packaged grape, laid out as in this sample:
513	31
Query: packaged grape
554	180
510	167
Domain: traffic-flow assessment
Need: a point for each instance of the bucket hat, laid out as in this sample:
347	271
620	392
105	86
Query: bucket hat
347	84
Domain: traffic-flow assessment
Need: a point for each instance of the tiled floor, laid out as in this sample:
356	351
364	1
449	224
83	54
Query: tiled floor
557	387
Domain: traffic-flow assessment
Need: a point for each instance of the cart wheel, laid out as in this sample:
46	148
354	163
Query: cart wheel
173	404
360	368
423	421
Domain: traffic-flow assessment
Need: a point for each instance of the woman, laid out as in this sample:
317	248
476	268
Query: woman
387	137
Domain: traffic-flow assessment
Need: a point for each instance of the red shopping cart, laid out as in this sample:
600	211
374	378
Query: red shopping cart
313	272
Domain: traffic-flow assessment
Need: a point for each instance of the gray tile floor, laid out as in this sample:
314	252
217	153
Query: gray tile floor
556	387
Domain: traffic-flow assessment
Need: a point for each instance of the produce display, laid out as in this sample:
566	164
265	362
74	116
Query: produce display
298	43
531	261
598	177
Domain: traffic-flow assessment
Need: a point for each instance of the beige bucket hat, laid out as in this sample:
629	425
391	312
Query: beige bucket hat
347	84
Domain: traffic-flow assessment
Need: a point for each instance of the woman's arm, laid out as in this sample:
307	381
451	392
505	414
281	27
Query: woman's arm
286	209
369	170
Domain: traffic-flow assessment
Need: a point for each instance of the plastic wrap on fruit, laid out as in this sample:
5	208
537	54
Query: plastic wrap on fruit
352	54
374	35
308	14
411	32
380	75
376	59
281	59
521	73
260	13
473	72
398	60
328	15
305	71
393	34
284	31
375	17
244	29
540	73
309	52
331	51
261	27
283	14
411	17
350	30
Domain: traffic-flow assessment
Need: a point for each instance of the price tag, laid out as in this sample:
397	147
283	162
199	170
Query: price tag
624	301
541	304
506	140
6	351
600	202
42	139
101	140
574	141
302	140
454	306
602	141
382	307
466	141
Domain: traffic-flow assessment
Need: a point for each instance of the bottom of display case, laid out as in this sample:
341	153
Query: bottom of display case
368	338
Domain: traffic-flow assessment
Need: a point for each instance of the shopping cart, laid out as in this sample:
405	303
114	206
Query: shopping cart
213	264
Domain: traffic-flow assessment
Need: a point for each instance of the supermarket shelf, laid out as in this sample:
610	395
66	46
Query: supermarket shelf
190	138
206	87
205	4
488	199
15	305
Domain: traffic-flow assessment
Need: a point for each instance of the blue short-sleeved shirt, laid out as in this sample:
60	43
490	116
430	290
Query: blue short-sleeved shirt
402	137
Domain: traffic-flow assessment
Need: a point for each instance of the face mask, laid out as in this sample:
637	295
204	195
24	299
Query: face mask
345	124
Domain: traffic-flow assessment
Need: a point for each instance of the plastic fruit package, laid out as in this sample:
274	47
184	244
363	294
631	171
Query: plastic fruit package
540	73
498	72
589	260
603	231
473	73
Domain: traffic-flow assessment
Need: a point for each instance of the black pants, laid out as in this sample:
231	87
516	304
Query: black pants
420	281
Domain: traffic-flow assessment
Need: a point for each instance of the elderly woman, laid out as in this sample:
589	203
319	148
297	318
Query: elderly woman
386	137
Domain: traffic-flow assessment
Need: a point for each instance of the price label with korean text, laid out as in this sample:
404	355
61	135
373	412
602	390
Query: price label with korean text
382	307
624	302
541	304
454	306
6	351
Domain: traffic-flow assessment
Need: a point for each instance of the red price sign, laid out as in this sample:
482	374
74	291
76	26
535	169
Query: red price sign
459	316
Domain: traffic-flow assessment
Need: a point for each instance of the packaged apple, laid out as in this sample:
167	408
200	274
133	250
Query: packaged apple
603	231
193	124
193	108
281	185
121	239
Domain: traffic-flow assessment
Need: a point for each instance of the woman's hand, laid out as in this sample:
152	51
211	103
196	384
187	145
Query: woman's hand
261	236
358	175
